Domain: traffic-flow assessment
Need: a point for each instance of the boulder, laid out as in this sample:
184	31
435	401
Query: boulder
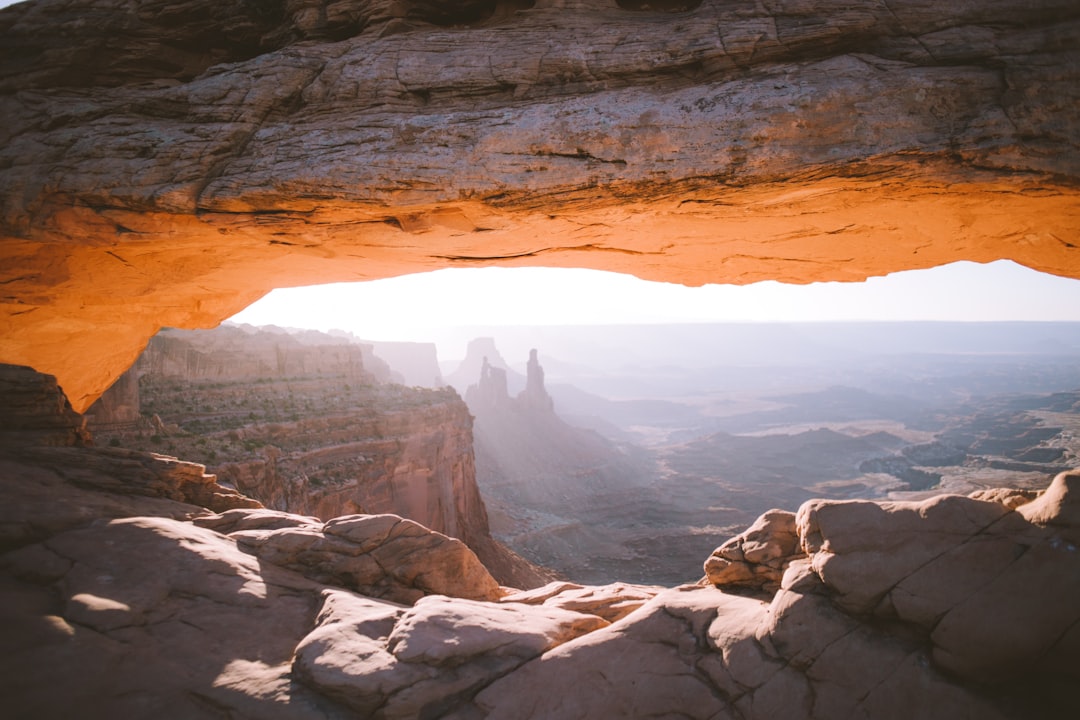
384	556
240	519
643	668
756	557
423	661
995	590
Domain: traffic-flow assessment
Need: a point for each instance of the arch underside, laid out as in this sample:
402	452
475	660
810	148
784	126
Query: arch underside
731	143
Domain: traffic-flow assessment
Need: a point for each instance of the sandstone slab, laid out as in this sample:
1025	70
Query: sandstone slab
381	555
426	660
146	616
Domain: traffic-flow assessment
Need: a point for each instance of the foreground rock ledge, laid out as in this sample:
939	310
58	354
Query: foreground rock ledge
119	600
168	165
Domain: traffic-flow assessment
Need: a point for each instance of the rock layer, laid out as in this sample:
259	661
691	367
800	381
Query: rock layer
169	163
299	423
135	605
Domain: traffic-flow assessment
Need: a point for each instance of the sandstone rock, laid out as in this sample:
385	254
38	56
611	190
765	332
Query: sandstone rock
1058	507
239	519
863	549
130	472
134	615
742	663
756	558
537	596
439	651
384	556
39	502
1009	497
955	567
157	617
800	627
535	396
440	630
152	617
36	411
39	426
1031	611
707	661
630	669
54	489
344	443
196	130
298	421
611	602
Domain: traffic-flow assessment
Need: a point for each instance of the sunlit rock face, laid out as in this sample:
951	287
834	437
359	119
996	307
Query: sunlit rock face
166	163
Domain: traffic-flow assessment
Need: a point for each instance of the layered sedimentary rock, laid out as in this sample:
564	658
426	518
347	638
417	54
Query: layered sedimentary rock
167	164
40	429
248	353
300	424
127	603
303	425
37	412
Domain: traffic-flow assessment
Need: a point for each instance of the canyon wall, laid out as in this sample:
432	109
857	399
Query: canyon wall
414	462
303	427
168	164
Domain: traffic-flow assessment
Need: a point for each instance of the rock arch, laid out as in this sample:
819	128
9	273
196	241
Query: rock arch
734	143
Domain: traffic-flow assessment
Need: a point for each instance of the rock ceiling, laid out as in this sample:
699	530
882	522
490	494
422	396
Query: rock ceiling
167	162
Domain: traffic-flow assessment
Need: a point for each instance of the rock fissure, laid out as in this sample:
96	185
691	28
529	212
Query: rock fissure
885	676
968	539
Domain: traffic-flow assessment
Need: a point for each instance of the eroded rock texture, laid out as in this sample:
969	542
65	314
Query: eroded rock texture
302	425
166	163
119	600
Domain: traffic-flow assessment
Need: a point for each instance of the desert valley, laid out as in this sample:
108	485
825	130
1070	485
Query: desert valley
690	447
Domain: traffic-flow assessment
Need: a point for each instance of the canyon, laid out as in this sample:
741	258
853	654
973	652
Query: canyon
164	164
651	445
298	422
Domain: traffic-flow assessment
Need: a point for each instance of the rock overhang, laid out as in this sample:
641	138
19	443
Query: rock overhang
730	143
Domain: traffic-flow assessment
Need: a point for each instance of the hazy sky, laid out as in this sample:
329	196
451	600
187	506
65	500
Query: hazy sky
413	306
